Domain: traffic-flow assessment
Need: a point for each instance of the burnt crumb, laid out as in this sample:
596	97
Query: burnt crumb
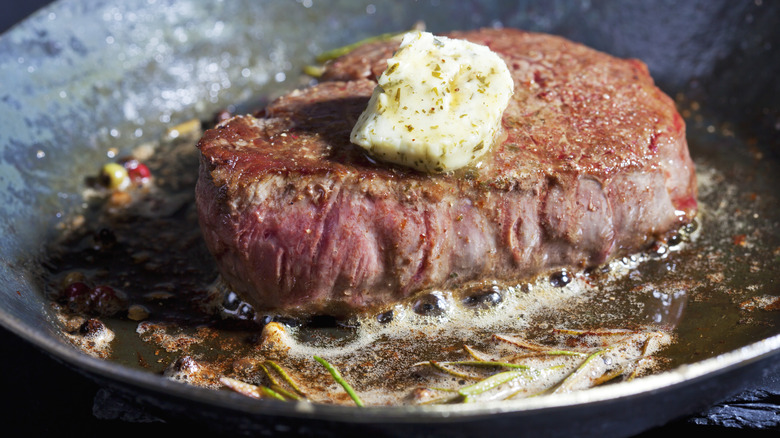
91	327
141	361
91	335
186	365
187	370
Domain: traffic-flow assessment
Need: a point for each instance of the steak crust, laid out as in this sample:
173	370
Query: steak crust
593	165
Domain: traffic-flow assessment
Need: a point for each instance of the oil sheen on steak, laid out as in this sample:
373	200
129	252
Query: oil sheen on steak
593	164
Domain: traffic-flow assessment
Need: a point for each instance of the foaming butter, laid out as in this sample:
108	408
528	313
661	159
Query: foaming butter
438	105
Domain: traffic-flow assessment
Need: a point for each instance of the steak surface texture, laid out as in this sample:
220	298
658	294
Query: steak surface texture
592	164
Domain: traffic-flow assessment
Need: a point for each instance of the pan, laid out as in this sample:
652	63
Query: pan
84	78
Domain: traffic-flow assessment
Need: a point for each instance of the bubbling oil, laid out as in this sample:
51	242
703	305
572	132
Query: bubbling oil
480	307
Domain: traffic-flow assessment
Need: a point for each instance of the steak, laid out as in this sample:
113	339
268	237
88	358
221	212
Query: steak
593	164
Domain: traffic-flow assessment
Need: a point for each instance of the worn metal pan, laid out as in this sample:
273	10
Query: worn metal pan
81	77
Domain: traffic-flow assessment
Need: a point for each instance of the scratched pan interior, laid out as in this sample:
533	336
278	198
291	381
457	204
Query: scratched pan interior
81	77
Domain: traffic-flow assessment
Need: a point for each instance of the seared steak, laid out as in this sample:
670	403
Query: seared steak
594	165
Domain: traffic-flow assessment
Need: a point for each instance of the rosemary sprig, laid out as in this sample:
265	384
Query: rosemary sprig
515	357
537	348
269	375
487	363
552	368
490	383
286	393
286	377
343	50
436	388
522	343
572	379
340	380
563	384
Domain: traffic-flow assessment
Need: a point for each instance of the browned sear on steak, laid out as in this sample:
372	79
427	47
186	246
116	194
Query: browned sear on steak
594	165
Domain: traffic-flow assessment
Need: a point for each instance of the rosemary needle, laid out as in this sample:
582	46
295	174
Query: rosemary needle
561	387
490	383
487	363
313	70
535	347
271	393
446	370
472	353
335	53
268	374
606	377
285	376
340	380
286	393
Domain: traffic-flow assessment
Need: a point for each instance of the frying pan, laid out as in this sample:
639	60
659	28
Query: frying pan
80	77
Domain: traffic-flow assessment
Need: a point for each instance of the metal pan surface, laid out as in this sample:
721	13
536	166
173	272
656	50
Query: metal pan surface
81	77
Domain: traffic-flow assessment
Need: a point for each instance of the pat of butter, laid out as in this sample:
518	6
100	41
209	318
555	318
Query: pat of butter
438	106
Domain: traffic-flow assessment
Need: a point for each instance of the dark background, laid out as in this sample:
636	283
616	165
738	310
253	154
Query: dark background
41	396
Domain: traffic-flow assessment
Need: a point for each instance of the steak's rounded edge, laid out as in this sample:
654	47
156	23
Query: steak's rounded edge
593	165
